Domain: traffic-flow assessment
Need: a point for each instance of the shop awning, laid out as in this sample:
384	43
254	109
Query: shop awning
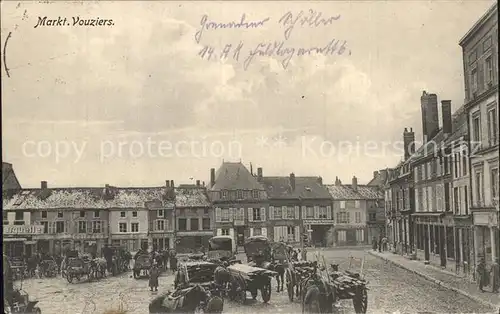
14	239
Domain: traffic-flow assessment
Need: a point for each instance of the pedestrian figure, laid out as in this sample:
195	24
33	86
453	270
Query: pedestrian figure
173	261
495	276
380	244
374	243
154	273
384	243
304	254
482	276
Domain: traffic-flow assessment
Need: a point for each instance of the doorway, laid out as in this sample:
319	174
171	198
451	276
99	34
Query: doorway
240	235
319	235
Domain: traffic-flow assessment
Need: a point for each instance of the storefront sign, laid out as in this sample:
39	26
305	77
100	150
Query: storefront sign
22	229
318	222
239	222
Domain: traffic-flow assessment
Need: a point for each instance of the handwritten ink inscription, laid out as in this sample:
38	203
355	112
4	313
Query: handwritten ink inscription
273	48
75	21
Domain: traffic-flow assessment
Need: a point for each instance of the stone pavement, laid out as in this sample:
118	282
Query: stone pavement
443	278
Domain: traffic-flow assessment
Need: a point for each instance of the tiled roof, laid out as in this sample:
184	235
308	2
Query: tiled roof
86	198
305	187
191	197
346	192
235	176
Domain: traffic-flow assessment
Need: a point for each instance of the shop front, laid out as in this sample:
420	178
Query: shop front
161	241
18	240
131	242
192	241
321	232
486	235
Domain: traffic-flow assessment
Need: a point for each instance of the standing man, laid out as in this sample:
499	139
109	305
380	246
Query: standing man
482	275
108	256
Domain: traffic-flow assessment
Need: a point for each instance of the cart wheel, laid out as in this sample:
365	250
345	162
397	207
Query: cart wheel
289	288
265	291
36	310
69	277
311	302
360	301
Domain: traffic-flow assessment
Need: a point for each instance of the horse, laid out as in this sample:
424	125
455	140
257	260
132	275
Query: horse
222	277
100	267
185	301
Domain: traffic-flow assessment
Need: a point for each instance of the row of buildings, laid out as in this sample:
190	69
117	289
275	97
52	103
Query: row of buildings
235	202
442	198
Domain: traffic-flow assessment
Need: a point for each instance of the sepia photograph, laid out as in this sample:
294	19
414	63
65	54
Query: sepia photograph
263	156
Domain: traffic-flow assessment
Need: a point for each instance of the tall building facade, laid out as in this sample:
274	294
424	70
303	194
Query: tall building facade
480	63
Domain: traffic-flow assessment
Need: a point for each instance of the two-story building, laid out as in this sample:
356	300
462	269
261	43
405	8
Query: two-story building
240	202
298	204
350	211
480	56
70	218
129	214
162	219
194	218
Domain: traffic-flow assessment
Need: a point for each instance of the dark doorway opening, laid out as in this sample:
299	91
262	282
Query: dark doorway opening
319	234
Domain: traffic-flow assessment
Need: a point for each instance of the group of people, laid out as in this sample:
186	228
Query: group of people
158	259
484	274
379	244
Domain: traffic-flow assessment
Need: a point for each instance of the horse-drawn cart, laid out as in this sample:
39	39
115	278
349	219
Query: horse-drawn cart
324	288
195	272
49	267
245	278
296	273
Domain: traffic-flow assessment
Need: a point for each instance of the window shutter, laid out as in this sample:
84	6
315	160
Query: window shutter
276	234
231	233
263	213
219	231
284	233
250	214
316	212
297	234
231	214
480	73
297	215
271	212
67	226
52	227
329	212
304	212
264	231
284	212
251	232
218	213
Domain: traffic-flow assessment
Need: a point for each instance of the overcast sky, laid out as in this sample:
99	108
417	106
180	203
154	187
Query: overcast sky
142	83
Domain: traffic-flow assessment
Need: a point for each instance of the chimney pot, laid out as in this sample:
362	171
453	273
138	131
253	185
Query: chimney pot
212	177
259	174
167	183
197	182
43	185
375	173
172	183
355	183
292	181
320	180
446	116
203	183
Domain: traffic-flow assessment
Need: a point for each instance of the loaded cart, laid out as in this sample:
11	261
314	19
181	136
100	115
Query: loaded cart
324	288
245	278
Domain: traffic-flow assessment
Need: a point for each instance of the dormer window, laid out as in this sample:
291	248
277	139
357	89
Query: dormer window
255	194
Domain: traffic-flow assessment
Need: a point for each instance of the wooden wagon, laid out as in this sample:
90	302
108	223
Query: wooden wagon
245	278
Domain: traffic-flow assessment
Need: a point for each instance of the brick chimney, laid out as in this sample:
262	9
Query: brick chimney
320	180
43	185
430	123
212	177
197	182
167	183
375	174
172	184
409	143
337	181
259	174
446	113
292	181
354	183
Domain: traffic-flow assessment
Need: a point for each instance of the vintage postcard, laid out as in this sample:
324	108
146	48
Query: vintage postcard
250	156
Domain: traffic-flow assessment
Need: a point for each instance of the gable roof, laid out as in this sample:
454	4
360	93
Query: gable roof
380	179
305	187
346	192
87	198
9	179
187	196
235	176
